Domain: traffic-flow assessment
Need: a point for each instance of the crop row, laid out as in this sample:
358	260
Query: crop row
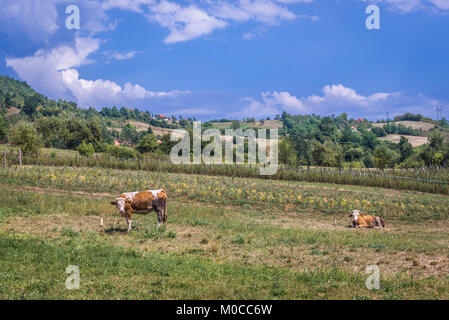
282	195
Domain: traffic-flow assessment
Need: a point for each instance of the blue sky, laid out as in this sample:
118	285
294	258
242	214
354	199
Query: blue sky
233	58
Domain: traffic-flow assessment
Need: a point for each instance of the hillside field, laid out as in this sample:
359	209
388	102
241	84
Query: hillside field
417	125
227	238
415	141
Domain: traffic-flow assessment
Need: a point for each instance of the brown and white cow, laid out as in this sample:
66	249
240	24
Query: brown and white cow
360	220
142	202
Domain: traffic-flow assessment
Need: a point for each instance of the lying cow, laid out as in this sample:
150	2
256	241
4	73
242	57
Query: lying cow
142	202
360	220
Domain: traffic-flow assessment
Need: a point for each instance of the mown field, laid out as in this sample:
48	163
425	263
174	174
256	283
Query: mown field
227	238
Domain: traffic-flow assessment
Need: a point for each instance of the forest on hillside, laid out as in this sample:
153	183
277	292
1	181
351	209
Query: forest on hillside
333	141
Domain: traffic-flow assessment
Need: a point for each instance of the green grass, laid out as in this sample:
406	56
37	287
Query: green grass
207	252
35	269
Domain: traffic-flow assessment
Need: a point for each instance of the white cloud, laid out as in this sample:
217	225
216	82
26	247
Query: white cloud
40	19
336	99
114	55
54	73
441	4
35	18
184	23
43	70
265	11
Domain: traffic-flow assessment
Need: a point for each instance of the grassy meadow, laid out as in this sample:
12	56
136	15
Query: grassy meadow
227	238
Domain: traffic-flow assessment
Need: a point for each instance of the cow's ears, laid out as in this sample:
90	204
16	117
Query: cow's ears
350	215
114	203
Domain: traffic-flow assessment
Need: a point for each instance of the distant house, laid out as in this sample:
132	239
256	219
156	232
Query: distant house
353	129
161	117
116	143
360	120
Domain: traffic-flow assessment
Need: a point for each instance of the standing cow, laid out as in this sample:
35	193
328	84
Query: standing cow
142	202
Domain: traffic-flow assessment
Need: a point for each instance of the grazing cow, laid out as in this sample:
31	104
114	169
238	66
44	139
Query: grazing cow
142	202
360	220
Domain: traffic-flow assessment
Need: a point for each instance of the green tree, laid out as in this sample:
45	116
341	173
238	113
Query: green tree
31	104
405	148
3	128
167	144
287	153
50	129
436	140
378	131
25	136
147	144
130	133
382	157
86	149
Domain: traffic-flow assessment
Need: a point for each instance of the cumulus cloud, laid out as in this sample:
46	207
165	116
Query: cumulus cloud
187	22
55	73
184	23
336	99
35	18
40	19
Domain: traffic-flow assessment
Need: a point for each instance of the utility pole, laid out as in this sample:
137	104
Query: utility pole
439	110
388	117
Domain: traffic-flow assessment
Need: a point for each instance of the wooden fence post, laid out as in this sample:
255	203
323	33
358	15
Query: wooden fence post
20	157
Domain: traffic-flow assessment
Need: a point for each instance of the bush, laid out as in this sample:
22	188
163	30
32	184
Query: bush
25	136
86	149
121	152
380	132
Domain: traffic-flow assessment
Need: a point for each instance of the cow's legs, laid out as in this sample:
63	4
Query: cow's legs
165	213
159	216
128	221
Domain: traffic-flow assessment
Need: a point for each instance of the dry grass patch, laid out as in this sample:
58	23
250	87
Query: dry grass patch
415	141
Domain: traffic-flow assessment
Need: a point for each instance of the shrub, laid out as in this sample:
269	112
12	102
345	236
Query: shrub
86	149
121	152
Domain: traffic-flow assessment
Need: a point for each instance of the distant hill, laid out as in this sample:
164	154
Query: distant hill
14	92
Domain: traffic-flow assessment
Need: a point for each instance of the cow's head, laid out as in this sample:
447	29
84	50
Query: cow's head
120	204
355	216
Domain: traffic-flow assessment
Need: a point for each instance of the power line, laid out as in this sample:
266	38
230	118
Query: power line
439	110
